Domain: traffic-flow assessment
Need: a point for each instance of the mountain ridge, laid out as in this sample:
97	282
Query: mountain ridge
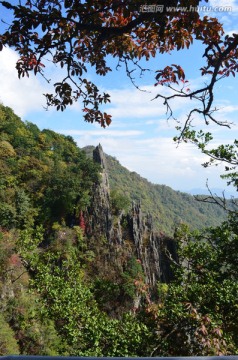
83	271
168	207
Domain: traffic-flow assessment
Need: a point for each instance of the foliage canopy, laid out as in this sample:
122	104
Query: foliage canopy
76	34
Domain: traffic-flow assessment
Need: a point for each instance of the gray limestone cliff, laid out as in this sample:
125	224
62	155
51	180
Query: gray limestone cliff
132	232
154	250
100	217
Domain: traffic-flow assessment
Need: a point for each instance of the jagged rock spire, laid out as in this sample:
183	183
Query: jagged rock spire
100	210
134	228
100	158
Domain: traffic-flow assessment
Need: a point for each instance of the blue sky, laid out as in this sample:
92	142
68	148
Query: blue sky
140	136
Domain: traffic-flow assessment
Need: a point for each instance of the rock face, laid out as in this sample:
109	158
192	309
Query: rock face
153	250
132	231
100	217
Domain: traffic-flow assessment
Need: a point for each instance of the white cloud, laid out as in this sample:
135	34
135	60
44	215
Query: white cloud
145	144
23	95
134	104
233	31
115	133
155	158
226	11
228	109
159	160
224	4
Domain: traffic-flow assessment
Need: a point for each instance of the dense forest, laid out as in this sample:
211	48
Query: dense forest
85	272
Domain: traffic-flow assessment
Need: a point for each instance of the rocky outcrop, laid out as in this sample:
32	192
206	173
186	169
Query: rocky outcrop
99	213
154	251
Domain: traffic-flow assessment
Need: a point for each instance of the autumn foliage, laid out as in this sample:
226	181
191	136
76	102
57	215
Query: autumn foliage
80	35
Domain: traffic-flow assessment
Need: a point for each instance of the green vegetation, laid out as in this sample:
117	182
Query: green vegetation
8	343
199	309
51	275
68	292
45	177
168	207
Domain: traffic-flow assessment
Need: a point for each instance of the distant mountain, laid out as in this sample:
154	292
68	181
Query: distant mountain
167	206
215	192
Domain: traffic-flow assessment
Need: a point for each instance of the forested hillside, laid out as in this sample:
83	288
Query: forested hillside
45	177
168	207
84	273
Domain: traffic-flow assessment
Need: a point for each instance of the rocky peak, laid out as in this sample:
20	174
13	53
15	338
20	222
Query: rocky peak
100	218
100	158
133	228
